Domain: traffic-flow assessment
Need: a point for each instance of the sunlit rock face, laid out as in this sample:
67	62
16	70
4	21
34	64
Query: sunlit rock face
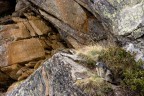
75	24
110	17
24	45
27	50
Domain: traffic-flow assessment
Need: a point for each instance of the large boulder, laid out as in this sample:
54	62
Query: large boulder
55	78
123	18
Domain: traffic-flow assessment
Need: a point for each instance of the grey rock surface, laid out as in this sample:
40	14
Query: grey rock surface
123	18
54	78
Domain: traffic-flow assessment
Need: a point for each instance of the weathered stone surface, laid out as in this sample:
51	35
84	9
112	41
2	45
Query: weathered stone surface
66	30
95	31
11	71
38	64
14	85
71	21
44	43
55	44
54	78
22	70
74	15
21	32
2	56
24	51
55	37
122	17
25	74
18	19
31	30
30	64
74	43
39	27
5	39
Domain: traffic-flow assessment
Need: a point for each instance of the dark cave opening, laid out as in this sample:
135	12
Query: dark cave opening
7	7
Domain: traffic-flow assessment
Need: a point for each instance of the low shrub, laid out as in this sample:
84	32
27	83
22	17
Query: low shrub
127	72
125	68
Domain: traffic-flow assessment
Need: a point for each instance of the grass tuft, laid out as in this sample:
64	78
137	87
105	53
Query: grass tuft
90	55
95	86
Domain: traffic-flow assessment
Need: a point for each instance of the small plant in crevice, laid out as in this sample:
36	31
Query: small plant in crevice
87	61
95	86
90	54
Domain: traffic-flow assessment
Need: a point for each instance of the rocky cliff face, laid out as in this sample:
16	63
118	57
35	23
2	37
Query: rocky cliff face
25	45
123	18
120	19
40	28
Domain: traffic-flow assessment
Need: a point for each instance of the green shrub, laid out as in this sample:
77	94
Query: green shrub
124	67
117	59
134	78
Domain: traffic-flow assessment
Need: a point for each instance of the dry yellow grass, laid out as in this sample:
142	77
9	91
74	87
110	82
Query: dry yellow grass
90	54
94	86
91	51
